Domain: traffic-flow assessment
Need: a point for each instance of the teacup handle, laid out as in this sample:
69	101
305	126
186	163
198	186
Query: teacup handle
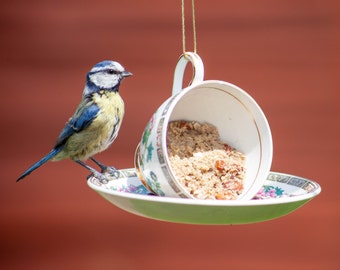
198	71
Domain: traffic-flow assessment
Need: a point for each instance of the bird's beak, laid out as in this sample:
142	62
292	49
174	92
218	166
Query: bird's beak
126	73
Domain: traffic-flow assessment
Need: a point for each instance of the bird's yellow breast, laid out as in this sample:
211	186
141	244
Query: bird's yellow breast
101	132
110	105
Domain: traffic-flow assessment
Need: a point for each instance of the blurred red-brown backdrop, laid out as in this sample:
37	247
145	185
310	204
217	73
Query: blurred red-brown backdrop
284	53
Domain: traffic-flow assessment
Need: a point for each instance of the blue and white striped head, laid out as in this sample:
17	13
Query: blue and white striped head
105	75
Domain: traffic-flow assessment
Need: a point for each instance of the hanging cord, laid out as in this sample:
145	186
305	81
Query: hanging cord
193	26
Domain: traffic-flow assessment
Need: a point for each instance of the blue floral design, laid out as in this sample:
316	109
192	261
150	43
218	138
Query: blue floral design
132	189
154	184
149	152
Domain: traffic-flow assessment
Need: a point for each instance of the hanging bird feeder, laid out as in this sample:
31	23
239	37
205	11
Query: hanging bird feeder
215	166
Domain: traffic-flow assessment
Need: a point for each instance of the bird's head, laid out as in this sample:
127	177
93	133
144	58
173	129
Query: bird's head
105	75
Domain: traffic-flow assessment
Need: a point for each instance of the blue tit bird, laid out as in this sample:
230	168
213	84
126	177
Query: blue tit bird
96	121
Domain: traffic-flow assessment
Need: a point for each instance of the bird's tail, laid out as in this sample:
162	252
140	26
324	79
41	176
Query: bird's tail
40	163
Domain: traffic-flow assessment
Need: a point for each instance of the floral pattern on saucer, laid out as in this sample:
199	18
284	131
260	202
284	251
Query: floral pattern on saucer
270	192
130	188
277	185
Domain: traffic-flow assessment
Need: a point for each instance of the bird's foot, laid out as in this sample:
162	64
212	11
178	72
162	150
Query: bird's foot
108	170
111	171
99	176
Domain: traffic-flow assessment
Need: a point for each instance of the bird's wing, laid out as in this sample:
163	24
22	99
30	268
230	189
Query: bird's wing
82	118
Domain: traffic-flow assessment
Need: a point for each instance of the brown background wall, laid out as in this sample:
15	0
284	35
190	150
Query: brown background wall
284	53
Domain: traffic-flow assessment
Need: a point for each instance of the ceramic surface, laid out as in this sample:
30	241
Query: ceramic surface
280	195
238	118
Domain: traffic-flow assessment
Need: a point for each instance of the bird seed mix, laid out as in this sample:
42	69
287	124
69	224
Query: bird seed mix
207	167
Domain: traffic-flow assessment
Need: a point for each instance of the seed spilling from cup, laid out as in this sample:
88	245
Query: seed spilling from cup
207	167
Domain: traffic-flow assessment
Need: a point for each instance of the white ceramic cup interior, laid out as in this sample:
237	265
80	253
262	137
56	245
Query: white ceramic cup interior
240	123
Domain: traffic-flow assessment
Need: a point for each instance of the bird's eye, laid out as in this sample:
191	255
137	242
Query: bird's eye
111	71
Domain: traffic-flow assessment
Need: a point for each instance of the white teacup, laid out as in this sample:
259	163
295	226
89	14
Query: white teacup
238	118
